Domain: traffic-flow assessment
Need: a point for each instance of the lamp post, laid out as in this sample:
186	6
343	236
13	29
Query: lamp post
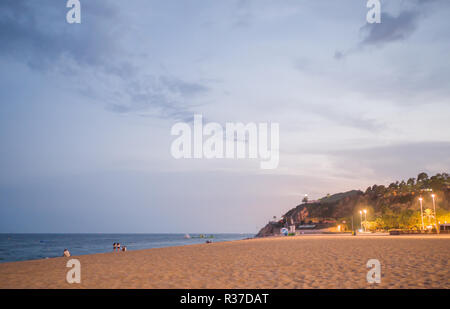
353	231
421	212
360	212
365	220
435	215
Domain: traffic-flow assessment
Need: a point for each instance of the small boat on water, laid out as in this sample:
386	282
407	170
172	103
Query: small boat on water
200	236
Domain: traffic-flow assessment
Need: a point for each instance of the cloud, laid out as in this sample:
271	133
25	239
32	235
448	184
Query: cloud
339	55
391	29
345	118
394	161
394	28
90	53
38	34
243	13
165	96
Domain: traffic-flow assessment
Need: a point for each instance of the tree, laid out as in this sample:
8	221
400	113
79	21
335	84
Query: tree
429	214
380	190
411	182
393	185
402	185
379	224
422	177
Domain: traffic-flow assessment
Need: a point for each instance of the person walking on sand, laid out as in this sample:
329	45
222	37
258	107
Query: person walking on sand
66	253
114	246
118	246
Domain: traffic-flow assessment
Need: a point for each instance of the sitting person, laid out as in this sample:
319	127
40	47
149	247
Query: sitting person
124	248
66	253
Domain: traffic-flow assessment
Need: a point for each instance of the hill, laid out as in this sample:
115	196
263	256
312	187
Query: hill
393	206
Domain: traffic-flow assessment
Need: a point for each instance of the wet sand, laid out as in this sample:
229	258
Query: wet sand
313	261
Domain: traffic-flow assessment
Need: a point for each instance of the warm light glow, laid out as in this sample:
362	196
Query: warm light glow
432	195
365	211
360	212
420	199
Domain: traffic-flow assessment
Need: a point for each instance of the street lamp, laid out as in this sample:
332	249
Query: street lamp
365	220
421	212
360	212
435	215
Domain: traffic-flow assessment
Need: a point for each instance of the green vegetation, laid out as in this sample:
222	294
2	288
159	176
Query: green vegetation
395	206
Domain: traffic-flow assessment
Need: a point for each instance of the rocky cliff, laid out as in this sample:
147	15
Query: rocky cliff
392	206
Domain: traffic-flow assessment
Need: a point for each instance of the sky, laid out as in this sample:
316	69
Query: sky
86	109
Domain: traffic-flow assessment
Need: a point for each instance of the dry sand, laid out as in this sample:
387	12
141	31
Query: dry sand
290	262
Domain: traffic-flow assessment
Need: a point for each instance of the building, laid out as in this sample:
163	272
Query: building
444	228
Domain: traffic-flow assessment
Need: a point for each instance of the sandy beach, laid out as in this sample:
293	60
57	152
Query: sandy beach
313	261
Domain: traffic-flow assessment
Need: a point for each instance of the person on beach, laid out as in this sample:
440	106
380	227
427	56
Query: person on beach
66	253
124	248
118	246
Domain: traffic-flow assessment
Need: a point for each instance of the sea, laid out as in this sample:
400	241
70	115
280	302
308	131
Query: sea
22	247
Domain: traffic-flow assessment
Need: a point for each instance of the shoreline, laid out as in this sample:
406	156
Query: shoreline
315	261
121	252
38	246
249	238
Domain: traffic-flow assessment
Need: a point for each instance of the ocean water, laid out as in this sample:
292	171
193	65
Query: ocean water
21	247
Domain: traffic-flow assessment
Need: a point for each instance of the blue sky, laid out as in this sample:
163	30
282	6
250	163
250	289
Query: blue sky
86	109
